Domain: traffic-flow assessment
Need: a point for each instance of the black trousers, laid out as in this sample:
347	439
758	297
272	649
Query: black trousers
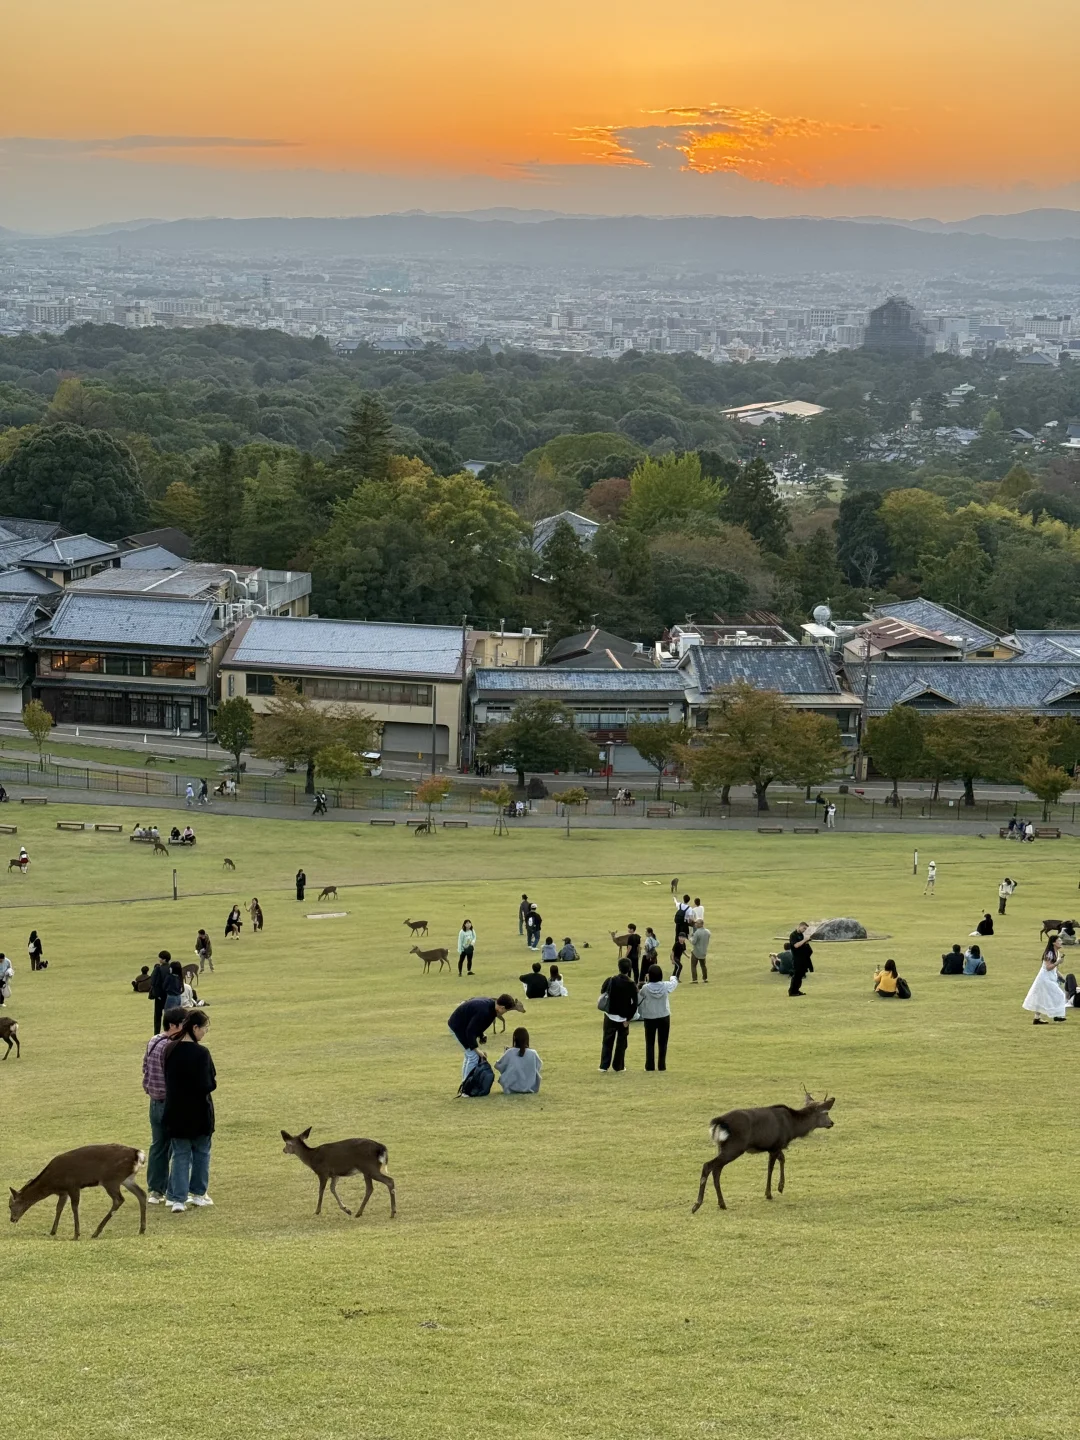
159	1011
466	954
614	1042
795	988
299	892
632	956
656	1033
1001	904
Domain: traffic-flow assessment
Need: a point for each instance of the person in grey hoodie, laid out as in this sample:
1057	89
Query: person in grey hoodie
654	1007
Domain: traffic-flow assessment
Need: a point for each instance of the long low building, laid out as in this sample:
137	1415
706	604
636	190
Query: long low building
410	677
934	686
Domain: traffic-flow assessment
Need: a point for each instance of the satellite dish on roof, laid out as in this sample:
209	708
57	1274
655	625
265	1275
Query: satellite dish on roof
822	614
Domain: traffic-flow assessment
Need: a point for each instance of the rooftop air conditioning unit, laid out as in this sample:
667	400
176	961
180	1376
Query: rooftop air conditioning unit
526	632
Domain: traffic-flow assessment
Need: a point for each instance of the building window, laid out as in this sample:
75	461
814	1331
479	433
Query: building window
70	660
371	692
260	684
167	669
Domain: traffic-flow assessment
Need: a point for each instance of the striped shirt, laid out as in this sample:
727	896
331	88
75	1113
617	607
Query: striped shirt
153	1067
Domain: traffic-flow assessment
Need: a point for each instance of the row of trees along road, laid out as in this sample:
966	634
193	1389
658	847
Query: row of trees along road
330	740
970	745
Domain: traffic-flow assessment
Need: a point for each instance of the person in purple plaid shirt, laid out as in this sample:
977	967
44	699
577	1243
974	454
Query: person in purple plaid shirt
153	1082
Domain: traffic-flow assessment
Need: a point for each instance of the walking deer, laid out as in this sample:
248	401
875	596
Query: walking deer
766	1130
110	1166
429	958
339	1158
9	1031
418	927
1049	926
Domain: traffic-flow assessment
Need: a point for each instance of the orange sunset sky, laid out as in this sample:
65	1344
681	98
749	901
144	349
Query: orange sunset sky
118	108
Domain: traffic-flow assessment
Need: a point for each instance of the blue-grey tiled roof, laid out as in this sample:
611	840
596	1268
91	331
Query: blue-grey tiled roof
557	680
132	620
151	557
16	620
789	669
584	528
1052	647
69	550
936	617
26	582
980	684
15	547
347	645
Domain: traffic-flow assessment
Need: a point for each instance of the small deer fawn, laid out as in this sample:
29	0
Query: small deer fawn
339	1158
110	1166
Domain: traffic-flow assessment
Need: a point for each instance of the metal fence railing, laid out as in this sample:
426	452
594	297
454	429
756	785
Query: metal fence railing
466	800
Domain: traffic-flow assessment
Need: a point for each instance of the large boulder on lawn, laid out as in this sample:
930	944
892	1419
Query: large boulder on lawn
840	929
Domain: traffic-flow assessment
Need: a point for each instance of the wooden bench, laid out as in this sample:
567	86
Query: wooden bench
70	825
33	800
1004	831
382	822
141	839
455	824
806	830
9	829
111	829
658	812
415	822
770	829
1047	832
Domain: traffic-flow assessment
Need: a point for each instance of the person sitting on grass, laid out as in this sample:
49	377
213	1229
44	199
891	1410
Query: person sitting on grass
556	988
568	954
974	964
519	1066
782	964
985	926
548	951
535	982
952	963
886	981
141	983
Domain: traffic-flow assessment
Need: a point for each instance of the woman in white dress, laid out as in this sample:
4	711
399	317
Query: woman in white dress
1047	996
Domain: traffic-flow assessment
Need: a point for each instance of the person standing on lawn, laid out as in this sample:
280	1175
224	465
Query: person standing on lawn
523	914
802	957
699	950
153	1082
466	945
188	1117
654	1007
301	883
533	921
159	978
622	1001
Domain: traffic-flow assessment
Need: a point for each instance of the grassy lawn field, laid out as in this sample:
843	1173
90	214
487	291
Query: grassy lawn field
545	1277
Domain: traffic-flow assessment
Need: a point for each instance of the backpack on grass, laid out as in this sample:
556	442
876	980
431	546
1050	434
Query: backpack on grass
478	1081
903	990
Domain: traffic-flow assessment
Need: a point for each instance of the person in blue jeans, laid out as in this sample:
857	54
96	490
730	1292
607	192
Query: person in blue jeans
153	1081
188	1117
470	1022
533	921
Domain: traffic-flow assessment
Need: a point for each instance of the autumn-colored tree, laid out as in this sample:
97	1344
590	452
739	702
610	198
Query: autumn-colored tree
40	723
570	800
1047	782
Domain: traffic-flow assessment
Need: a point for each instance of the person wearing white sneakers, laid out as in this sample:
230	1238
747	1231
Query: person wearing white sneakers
188	1118
153	1082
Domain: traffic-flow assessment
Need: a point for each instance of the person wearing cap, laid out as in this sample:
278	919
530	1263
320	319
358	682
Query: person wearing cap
471	1020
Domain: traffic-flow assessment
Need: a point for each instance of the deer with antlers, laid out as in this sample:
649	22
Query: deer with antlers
766	1130
110	1166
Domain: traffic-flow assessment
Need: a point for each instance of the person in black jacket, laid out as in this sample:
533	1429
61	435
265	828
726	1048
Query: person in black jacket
952	963
471	1020
158	981
188	1117
536	985
533	921
622	998
301	882
802	952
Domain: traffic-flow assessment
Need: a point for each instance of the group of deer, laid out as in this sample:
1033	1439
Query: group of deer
439	957
114	1168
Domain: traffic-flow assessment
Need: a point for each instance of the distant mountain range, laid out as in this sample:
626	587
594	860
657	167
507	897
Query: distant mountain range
1033	243
712	244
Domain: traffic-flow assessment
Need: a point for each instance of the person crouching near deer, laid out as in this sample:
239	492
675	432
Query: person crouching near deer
1047	995
188	1117
470	1022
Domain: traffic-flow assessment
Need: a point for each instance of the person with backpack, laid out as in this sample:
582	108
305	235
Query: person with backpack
519	1066
533	921
619	1001
471	1020
974	964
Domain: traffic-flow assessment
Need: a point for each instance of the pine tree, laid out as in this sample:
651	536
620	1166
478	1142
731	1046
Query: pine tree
751	500
222	497
366	451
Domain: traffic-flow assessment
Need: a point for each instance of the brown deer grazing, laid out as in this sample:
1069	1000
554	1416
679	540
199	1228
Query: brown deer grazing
621	941
110	1166
328	892
228	864
766	1130
418	927
340	1158
160	848
430	956
9	1031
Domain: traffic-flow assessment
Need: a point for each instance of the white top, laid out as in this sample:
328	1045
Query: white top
697	914
557	988
465	939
